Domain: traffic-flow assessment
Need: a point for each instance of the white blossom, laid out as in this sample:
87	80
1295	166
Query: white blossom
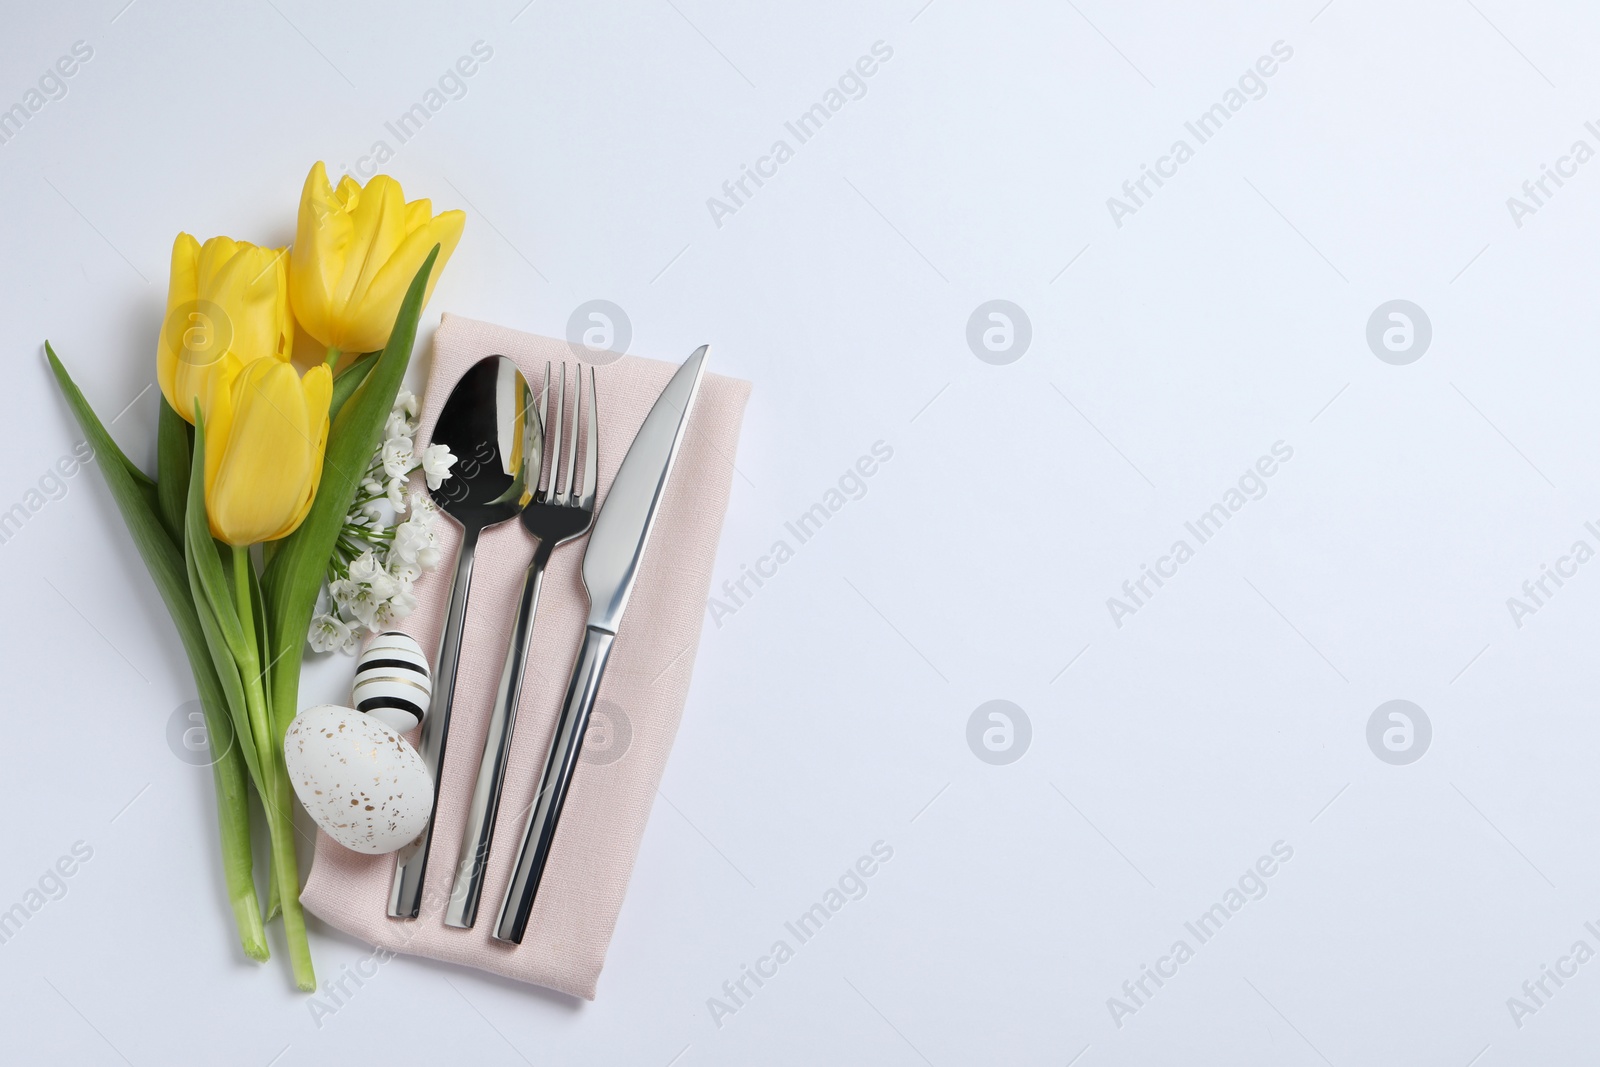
410	538
436	464
367	571
364	606
364	567
423	509
343	592
404	602
329	632
397	457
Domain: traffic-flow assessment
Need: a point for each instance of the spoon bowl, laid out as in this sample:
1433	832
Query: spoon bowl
482	425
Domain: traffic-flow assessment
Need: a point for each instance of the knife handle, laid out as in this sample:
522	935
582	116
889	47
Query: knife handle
411	862
565	747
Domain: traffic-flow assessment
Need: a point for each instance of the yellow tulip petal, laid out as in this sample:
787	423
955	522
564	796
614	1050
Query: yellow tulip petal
322	242
252	290
285	315
389	288
185	259
349	193
266	459
418	212
217	406
445	231
215	255
181	289
318	386
379	219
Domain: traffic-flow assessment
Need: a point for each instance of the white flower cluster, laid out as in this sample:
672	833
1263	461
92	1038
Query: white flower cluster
376	559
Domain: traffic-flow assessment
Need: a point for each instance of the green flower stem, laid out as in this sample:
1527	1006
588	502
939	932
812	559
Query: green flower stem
274	904
333	356
274	785
233	815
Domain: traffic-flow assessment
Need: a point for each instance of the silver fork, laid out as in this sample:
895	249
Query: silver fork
559	513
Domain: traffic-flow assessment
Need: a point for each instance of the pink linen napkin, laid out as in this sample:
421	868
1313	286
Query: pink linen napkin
641	698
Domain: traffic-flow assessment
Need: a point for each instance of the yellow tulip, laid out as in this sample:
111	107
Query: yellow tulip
227	304
265	433
355	252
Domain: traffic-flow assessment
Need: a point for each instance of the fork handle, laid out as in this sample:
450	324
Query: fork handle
565	747
411	862
465	893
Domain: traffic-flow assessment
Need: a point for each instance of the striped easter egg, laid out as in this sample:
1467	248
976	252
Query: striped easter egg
393	683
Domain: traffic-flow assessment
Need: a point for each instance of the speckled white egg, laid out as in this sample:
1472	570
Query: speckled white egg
360	781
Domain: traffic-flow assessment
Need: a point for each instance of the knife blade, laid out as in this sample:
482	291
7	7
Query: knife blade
622	529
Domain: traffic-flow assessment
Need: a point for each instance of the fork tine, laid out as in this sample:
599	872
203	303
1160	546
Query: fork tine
550	495
544	421
532	446
591	454
572	492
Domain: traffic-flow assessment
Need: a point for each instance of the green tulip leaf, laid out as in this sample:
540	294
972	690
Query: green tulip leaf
345	382
172	470
200	548
158	544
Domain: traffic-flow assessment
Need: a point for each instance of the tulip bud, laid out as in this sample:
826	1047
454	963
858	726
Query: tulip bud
227	304
355	252
265	435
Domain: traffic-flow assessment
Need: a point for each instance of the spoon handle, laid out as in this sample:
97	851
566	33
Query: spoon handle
411	863
467	891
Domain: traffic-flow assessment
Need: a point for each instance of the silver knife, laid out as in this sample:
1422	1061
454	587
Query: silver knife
610	565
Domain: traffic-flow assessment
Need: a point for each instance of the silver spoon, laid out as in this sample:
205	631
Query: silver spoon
482	424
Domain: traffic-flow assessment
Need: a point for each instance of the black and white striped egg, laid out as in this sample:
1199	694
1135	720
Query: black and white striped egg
393	684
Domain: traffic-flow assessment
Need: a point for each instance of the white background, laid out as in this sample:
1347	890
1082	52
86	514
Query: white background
830	711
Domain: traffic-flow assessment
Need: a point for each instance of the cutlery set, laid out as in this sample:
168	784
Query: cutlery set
518	460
